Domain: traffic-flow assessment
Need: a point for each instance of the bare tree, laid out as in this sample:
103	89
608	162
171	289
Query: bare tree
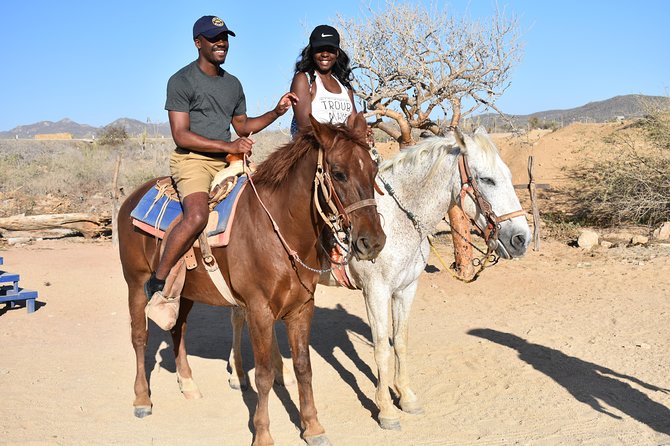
410	61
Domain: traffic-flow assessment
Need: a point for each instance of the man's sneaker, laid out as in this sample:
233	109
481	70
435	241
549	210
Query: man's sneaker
153	285
163	310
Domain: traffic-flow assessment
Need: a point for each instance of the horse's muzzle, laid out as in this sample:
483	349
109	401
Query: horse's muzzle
368	247
514	244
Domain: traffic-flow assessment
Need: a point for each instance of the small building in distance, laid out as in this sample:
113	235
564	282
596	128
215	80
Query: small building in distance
53	136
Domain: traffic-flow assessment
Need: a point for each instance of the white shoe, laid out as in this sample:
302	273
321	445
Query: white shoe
163	310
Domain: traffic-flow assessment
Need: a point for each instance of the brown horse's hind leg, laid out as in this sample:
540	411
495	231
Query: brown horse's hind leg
237	379
187	385
298	335
139	334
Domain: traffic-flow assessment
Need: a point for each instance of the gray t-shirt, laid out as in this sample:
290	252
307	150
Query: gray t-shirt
210	101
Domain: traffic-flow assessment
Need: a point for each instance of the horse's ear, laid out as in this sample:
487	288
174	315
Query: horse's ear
460	140
360	128
324	134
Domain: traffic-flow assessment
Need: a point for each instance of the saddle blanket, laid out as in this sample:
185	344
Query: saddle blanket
156	210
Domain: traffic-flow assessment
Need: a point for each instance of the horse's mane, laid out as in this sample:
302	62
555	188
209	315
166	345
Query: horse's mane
438	148
280	164
485	143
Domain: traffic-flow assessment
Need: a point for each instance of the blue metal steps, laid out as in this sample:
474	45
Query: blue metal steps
11	293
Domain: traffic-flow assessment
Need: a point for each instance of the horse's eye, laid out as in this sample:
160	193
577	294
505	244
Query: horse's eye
339	176
488	181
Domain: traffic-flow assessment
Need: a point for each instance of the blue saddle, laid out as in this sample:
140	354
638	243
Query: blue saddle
159	210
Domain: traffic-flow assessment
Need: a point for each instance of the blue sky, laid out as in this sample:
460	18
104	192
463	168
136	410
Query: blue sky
94	62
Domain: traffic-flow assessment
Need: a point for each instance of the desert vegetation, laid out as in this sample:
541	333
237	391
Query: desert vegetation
43	177
631	184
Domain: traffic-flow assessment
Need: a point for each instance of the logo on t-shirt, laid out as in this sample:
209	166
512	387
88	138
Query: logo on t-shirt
338	109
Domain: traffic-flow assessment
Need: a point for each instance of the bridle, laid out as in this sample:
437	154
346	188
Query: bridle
336	216
470	188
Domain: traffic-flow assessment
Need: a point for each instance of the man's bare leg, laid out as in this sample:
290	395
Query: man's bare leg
161	309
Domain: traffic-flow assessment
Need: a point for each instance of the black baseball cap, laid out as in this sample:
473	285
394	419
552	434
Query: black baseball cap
324	35
210	26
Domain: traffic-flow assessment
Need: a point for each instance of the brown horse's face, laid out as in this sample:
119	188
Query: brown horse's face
353	173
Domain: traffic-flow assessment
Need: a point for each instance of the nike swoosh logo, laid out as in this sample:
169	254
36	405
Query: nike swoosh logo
326	35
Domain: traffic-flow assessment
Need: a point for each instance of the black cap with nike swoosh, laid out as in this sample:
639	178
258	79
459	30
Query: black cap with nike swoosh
324	35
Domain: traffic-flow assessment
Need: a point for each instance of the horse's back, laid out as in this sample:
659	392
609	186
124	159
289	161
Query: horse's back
134	250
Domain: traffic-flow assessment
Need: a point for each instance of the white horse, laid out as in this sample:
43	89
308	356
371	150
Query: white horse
422	183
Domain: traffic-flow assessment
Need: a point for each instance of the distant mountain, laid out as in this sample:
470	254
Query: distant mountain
627	106
63	126
84	131
137	128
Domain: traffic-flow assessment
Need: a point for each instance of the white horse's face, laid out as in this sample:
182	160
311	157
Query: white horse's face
494	181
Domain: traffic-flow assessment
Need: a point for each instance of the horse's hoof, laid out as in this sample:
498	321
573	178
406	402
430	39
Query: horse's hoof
318	440
142	411
413	407
392	424
188	388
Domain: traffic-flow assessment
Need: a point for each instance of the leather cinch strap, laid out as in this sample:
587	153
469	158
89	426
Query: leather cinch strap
213	270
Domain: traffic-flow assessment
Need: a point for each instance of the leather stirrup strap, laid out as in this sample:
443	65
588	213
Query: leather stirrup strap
214	271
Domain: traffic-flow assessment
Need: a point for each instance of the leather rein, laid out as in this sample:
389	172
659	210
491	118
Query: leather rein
336	216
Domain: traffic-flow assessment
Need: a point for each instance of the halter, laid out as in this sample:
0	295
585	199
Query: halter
470	188
338	220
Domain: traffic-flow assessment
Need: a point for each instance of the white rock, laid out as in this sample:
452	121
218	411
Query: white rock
639	240
587	239
663	232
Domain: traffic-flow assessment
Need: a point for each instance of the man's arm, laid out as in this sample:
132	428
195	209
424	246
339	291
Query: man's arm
244	125
184	137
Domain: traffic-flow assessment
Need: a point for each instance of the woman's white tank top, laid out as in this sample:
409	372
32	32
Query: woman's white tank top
329	107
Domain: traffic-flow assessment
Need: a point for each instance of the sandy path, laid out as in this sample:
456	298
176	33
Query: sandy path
558	348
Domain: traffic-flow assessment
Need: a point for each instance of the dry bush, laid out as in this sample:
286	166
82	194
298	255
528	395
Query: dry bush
632	186
73	173
39	177
112	135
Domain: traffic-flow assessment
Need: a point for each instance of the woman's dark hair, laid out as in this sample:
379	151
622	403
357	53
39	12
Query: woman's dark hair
341	69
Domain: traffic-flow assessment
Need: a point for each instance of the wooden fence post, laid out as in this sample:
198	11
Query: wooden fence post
115	202
533	204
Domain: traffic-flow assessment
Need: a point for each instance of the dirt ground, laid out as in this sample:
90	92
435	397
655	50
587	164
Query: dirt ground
560	347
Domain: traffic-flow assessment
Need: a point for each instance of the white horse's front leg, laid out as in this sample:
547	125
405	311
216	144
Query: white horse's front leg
237	379
377	303
401	306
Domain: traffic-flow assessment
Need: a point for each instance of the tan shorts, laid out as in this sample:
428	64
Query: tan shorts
193	172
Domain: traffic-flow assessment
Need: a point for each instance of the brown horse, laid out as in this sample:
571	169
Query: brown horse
268	268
